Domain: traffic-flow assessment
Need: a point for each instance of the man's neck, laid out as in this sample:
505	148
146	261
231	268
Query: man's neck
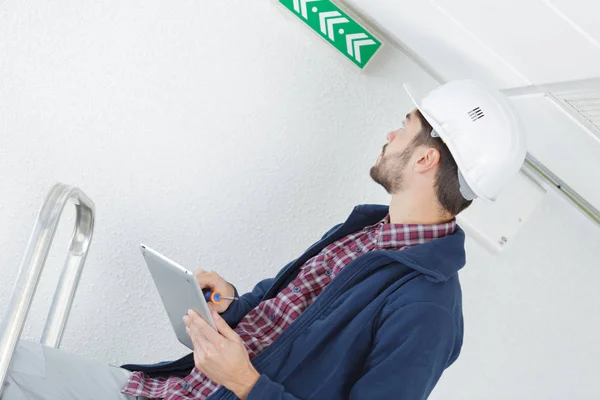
422	208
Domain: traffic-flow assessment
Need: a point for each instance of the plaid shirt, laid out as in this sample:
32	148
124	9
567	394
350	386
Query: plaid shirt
262	325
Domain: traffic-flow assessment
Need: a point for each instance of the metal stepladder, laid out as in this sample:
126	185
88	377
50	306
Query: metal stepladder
33	264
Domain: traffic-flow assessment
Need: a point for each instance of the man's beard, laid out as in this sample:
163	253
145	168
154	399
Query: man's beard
388	172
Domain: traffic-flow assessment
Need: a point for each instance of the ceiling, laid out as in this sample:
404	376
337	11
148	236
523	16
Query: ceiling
511	43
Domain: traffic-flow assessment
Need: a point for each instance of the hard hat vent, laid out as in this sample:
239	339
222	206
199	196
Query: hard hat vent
476	114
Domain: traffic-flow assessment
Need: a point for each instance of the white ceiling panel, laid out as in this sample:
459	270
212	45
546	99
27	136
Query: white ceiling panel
530	36
583	15
450	50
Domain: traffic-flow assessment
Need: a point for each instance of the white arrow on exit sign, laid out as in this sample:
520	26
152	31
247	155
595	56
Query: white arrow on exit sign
355	41
327	21
300	6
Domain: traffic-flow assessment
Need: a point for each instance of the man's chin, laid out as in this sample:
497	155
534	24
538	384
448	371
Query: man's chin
379	179
375	174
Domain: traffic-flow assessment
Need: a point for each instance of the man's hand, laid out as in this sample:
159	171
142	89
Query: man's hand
213	281
221	356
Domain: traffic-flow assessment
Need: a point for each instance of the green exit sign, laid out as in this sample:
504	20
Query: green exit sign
338	28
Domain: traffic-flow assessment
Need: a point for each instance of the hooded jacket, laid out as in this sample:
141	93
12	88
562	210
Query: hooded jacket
385	327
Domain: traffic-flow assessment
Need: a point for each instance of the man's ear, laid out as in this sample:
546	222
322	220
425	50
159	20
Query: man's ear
429	157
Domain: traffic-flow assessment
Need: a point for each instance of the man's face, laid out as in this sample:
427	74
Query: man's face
390	168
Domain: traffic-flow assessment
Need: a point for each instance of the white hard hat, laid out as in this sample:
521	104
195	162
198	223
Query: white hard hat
481	130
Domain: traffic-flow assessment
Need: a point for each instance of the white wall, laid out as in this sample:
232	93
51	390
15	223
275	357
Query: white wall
225	134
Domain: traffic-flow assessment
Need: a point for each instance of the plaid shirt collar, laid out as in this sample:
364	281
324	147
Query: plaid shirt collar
399	236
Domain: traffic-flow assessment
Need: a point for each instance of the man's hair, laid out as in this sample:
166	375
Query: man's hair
447	187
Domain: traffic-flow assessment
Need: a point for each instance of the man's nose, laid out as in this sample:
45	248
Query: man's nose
391	136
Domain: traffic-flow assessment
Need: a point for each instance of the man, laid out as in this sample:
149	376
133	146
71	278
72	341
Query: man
373	310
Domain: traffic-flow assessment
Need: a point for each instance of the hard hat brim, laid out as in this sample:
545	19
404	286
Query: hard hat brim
416	99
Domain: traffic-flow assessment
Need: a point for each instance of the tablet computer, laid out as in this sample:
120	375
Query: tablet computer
179	291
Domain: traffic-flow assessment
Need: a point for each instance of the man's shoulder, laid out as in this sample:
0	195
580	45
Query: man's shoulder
423	291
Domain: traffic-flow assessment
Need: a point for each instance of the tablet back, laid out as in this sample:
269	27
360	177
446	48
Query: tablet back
179	291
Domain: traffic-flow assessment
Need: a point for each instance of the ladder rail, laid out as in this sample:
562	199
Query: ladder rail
33	264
